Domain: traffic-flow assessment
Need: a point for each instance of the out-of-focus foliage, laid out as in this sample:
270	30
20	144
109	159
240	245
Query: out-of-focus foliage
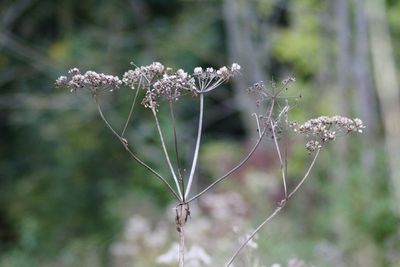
66	184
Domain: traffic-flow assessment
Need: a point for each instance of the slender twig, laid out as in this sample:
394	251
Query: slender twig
284	111
277	209
305	176
131	110
166	153
136	158
196	151
106	121
275	212
280	157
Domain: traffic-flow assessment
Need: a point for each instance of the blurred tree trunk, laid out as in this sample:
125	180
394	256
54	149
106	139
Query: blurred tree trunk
387	89
343	68
242	49
364	95
325	76
343	65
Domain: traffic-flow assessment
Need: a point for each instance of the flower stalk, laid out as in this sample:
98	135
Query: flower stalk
162	84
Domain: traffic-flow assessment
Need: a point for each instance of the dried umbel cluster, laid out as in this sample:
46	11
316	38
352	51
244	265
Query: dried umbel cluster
211	78
324	129
157	80
144	75
170	87
275	93
95	82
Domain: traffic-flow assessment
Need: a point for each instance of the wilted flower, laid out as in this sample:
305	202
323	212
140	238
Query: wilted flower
169	87
210	78
313	145
197	71
235	67
62	80
288	80
324	129
144	75
91	80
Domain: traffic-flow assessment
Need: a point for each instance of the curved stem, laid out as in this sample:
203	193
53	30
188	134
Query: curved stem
136	158
196	151
305	175
258	124
277	209
166	154
275	212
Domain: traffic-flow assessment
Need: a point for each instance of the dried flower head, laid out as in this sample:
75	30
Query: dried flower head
274	103
210	78
91	80
143	76
275	92
170	87
324	129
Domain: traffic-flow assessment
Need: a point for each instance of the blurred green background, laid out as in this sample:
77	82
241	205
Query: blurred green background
68	190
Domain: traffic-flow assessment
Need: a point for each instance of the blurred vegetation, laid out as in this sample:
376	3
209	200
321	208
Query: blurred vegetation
67	186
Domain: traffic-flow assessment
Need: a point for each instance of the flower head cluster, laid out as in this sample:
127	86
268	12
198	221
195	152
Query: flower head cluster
157	80
288	80
222	73
144	75
170	87
211	78
95	82
274	92
324	129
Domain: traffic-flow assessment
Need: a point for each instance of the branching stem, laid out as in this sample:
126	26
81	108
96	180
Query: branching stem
226	175
275	212
166	154
240	164
126	146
